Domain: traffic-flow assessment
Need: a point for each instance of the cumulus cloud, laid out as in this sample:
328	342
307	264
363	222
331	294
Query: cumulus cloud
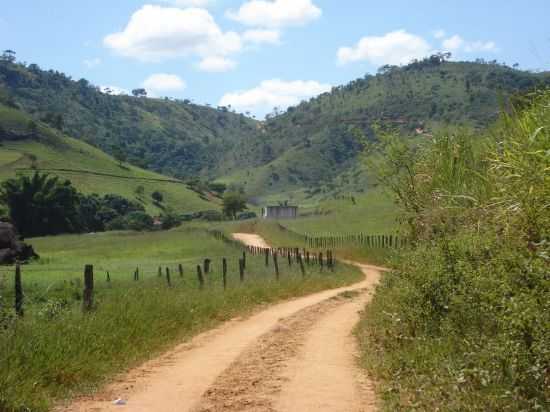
162	83
273	93
114	90
276	13
457	44
91	63
262	36
397	47
216	64
156	33
439	34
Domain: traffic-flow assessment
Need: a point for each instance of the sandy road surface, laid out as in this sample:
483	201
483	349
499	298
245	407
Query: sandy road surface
298	343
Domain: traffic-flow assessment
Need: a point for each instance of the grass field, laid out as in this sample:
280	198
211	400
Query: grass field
49	149
56	351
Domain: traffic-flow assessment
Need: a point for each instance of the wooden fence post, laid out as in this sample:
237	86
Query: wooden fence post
207	266
321	260
88	295
266	257
136	274
224	273
160	272
168	280
276	264
289	257
244	260
18	292
200	277
241	269
180	270
108	277
301	263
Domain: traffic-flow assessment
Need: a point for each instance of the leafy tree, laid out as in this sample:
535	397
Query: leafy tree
41	204
157	196
139	221
139	92
119	155
8	55
233	203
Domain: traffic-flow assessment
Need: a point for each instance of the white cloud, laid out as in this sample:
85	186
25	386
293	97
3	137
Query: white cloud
188	3
273	93
91	63
439	34
162	82
276	13
456	44
216	64
156	33
114	90
262	36
397	47
453	43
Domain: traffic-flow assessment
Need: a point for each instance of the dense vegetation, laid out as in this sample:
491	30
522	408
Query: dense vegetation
172	137
315	142
27	146
310	145
56	351
463	322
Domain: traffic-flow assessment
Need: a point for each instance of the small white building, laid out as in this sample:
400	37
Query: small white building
280	212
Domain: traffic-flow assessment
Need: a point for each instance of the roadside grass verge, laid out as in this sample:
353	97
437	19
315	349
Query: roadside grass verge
56	352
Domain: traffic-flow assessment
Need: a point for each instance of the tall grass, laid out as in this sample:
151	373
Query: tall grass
463	321
56	351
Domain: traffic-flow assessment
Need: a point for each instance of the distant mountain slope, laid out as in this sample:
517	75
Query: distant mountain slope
27	145
312	146
176	138
312	143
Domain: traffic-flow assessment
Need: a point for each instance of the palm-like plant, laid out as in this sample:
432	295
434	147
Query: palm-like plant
40	204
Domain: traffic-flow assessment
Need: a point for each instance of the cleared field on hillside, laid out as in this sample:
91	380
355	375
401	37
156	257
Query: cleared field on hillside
84	165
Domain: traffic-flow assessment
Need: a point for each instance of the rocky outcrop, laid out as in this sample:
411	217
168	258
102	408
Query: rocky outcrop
12	249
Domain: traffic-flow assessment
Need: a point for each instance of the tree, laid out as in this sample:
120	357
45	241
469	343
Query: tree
139	92
119	155
8	55
41	205
157	196
233	203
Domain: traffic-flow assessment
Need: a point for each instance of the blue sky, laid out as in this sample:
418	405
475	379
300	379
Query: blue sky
257	54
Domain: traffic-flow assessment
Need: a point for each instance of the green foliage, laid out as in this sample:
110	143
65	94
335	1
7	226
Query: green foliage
157	196
41	204
233	203
89	169
461	323
308	146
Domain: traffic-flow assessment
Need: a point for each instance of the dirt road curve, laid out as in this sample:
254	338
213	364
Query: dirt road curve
293	356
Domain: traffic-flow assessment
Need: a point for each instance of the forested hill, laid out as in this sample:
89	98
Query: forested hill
313	142
309	145
173	137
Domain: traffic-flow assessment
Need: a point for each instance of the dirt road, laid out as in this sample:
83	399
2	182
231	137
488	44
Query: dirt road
294	356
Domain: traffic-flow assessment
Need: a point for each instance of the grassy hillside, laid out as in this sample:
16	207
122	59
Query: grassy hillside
171	137
26	145
308	146
316	141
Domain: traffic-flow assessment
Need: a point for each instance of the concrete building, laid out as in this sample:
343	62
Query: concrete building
280	212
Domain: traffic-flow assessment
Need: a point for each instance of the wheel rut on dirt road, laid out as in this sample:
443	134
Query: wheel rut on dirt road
258	363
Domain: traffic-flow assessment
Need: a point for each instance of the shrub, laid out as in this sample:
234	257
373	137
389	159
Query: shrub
462	321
